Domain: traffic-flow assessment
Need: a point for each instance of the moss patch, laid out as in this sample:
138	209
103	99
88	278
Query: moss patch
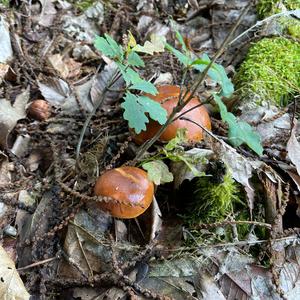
213	202
271	71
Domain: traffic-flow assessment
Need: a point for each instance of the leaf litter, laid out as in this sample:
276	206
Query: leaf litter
64	244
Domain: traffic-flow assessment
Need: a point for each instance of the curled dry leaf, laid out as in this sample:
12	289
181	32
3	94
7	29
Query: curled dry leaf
6	52
293	148
102	80
58	93
11	285
11	114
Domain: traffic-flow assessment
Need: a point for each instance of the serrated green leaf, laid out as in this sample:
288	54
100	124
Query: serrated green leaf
158	172
117	49
155	110
156	44
135	109
185	60
179	139
109	47
144	86
134	113
103	46
239	132
135	60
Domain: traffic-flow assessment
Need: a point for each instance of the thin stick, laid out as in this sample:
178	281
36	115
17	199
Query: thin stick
38	263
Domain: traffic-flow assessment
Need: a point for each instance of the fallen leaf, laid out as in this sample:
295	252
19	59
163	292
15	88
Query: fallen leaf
6	52
293	148
102	80
11	114
11	285
58	64
48	13
55	91
156	44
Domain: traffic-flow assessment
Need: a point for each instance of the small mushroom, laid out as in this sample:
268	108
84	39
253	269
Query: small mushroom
129	185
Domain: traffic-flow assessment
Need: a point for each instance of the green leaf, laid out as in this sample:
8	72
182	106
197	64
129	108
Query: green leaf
135	60
157	44
117	49
158	172
239	131
144	86
135	109
185	60
216	73
176	141
109	47
134	113
155	110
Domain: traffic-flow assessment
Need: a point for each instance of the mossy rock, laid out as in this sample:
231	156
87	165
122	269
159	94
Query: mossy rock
266	8
289	25
270	72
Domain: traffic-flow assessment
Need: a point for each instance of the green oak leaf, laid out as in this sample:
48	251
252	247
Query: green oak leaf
239	131
155	110
135	60
158	172
135	109
134	113
144	86
109	47
185	60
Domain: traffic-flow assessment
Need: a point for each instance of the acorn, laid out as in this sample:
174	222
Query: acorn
129	185
39	110
168	97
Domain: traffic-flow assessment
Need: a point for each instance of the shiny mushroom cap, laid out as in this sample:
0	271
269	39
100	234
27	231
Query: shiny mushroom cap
130	185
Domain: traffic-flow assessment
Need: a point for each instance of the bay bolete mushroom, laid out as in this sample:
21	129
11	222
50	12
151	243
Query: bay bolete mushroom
129	185
168	97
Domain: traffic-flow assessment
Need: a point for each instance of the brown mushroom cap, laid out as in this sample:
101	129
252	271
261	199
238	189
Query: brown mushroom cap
168	96
126	184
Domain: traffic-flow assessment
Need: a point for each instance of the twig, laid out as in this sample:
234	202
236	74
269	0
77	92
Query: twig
38	263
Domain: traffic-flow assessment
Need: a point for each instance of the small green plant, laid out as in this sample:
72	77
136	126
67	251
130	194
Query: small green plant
271	71
159	172
138	108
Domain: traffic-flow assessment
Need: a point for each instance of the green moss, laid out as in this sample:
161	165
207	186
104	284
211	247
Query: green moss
83	5
267	8
213	202
270	72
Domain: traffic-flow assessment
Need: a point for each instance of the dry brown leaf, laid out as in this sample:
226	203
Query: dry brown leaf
293	148
11	285
11	114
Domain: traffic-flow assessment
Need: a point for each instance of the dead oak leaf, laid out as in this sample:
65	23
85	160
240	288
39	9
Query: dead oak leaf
11	114
293	148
